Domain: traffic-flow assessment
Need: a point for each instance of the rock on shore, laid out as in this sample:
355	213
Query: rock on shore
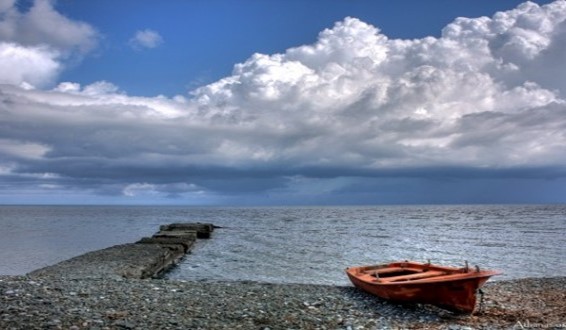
113	303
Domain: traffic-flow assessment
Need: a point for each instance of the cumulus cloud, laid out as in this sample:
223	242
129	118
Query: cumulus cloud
37	66
146	39
344	114
382	102
34	45
43	25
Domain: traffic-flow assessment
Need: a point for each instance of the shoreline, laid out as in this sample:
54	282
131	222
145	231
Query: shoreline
113	288
49	302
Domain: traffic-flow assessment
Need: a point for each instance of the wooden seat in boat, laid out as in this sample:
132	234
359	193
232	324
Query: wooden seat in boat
416	276
390	270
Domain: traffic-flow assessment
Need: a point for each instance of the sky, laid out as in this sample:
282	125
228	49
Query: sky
282	102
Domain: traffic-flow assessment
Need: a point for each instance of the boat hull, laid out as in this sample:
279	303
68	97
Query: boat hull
454	290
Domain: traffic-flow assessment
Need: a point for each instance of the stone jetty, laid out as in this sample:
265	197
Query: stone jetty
147	258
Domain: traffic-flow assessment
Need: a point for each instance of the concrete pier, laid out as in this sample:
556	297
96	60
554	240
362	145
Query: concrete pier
149	257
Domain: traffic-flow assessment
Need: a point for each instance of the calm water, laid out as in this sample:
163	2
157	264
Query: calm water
299	244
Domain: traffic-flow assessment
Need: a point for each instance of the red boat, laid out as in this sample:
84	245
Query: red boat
450	288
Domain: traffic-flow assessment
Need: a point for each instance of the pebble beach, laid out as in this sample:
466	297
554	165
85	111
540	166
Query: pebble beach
122	287
36	302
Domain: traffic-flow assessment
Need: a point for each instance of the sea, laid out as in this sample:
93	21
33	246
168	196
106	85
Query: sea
311	245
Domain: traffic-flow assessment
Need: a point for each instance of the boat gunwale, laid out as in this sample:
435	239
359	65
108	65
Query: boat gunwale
459	274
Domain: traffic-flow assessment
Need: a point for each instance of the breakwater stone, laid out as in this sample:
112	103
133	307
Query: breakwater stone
203	230
147	258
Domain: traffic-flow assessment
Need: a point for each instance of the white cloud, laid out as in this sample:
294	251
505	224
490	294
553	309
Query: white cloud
35	44
37	66
68	87
355	103
146	39
43	25
100	88
23	149
363	94
138	188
